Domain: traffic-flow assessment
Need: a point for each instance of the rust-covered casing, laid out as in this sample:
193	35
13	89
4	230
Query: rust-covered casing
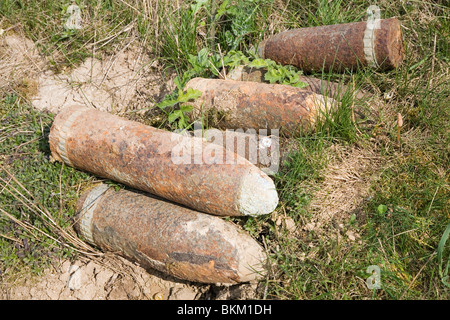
338	47
167	237
324	87
186	170
255	146
253	105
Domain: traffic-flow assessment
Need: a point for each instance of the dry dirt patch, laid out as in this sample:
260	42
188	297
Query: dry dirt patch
20	64
128	80
113	278
345	189
106	278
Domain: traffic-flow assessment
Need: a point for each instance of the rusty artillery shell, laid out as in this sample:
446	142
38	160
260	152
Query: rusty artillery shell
257	147
338	47
185	170
324	87
167	237
253	105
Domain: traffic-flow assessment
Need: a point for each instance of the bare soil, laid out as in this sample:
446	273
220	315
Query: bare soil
113	278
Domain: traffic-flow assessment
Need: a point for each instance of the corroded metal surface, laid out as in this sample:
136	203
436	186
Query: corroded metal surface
337	47
173	239
185	170
324	87
256	146
246	104
331	89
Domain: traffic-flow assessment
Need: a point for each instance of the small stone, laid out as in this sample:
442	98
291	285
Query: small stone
289	224
74	282
158	296
184	293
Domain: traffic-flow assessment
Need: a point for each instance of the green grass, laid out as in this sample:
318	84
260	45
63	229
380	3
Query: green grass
402	221
34	190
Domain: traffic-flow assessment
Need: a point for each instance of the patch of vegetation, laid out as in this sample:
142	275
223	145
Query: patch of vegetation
37	196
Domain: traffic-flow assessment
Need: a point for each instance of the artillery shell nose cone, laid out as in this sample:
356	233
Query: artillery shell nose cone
252	261
258	195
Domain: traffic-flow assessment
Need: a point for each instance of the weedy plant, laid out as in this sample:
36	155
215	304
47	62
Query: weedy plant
443	267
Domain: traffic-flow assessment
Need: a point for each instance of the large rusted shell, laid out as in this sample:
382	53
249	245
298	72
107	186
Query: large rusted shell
167	237
186	170
324	87
338	47
256	146
252	105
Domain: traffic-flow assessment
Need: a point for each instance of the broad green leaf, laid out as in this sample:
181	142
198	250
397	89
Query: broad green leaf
186	108
188	95
167	103
174	115
202	56
177	82
273	76
382	209
258	63
443	271
235	58
293	77
223	9
198	5
300	84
